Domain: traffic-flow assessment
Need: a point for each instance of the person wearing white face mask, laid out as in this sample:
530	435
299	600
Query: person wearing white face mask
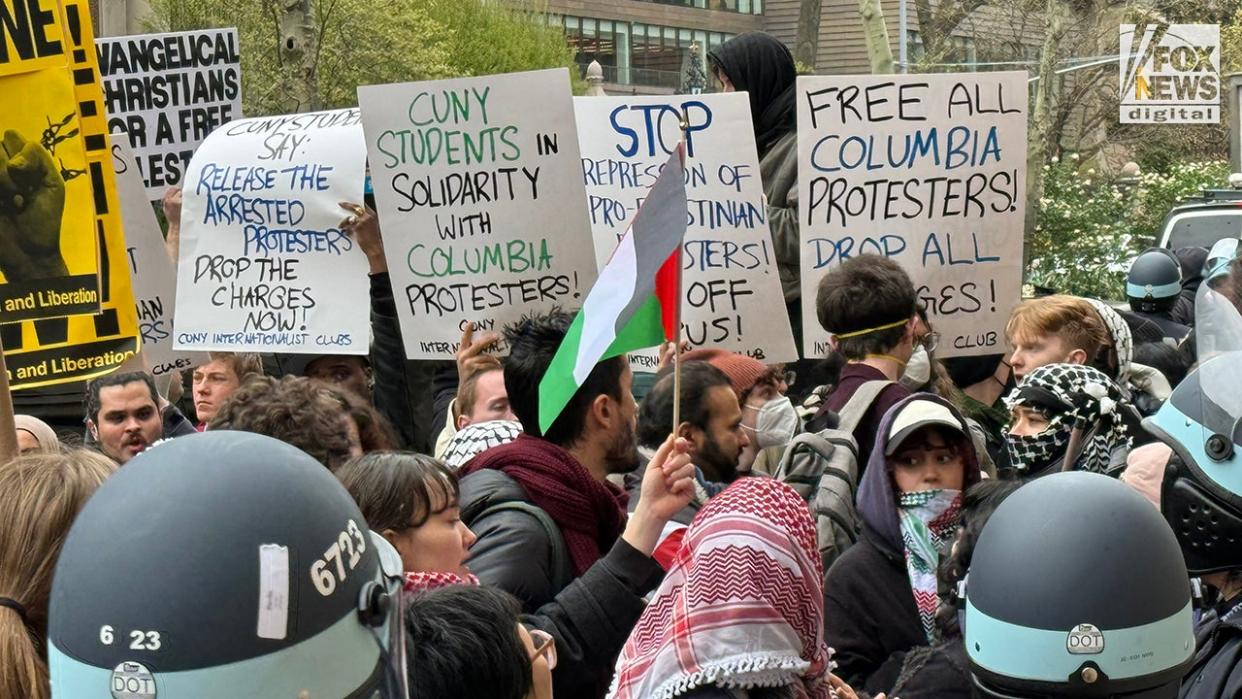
768	416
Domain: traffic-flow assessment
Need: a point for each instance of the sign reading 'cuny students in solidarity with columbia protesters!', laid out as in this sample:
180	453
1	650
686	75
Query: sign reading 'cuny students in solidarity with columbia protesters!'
729	280
929	170
62	249
479	188
152	274
168	91
265	266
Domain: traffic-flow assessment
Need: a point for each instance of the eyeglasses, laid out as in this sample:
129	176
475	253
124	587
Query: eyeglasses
545	646
930	340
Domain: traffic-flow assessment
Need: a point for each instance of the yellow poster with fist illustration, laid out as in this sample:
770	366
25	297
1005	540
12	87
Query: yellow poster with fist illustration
66	308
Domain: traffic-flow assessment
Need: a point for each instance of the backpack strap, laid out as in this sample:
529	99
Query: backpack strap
561	575
856	408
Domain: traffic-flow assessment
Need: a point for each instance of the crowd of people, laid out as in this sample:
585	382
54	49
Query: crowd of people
1058	519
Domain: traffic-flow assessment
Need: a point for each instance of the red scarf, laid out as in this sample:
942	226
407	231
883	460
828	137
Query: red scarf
590	514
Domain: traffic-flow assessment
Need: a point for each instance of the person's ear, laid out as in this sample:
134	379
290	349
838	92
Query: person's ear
603	411
462	422
370	374
687	431
390	536
1078	356
94	432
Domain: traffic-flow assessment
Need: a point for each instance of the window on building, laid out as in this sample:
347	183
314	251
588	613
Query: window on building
960	51
748	7
642	54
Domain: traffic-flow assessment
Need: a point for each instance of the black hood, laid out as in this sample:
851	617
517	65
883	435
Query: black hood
763	67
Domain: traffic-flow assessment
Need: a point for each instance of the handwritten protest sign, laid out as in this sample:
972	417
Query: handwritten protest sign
80	184
481	199
152	274
731	293
929	170
264	263
168	91
48	261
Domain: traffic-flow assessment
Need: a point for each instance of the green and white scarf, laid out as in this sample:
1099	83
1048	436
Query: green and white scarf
929	520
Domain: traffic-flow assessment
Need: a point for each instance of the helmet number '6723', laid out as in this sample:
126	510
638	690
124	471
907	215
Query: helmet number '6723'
331	569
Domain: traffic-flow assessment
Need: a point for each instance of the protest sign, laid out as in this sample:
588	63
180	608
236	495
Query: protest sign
264	265
929	170
60	350
481	200
48	213
152	274
731	293
167	92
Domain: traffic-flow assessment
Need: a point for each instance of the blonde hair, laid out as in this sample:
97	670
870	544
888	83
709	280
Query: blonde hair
243	364
40	495
1072	319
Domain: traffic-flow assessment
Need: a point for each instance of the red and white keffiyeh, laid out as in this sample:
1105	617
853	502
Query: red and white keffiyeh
742	605
423	581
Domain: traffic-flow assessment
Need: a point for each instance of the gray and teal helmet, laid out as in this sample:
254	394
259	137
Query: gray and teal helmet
1077	589
1201	496
1154	281
223	564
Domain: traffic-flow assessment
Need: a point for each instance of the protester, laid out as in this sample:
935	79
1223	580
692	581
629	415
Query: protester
216	380
741	609
477	438
870	307
1153	287
1049	405
375	433
467	642
412	501
881	594
1036	625
1116	354
942	671
541	505
984	381
40	494
234	562
1054	330
122	414
35	436
1192	260
297	411
711	421
476	393
768	416
378	377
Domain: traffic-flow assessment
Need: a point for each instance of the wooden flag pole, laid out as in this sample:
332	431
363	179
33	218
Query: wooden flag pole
8	429
684	123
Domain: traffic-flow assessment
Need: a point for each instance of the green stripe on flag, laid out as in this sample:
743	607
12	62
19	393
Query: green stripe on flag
558	386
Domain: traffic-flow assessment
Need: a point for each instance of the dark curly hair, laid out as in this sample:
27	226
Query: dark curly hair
293	409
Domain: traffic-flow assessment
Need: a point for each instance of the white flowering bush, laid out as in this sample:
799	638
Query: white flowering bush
1091	225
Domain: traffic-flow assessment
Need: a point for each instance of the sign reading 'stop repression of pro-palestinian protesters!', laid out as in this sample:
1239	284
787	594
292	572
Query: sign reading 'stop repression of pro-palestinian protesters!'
168	92
929	170
62	249
48	240
731	292
264	264
479	187
152	273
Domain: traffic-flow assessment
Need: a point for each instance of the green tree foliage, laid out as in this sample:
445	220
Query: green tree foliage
366	42
1091	226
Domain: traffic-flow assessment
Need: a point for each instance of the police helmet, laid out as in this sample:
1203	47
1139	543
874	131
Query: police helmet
1154	281
1201	496
221	564
1077	589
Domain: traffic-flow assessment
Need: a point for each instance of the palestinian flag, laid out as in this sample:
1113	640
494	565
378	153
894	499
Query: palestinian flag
634	303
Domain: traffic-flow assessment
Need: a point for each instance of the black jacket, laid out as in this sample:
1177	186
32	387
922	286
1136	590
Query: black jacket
1217	671
869	614
388	361
940	672
592	618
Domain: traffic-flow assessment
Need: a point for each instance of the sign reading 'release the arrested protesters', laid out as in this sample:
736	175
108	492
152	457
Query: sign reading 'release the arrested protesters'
48	258
264	265
479	189
152	274
731	293
78	181
168	91
929	170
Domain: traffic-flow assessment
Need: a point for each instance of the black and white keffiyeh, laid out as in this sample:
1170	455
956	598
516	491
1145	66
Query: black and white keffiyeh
1064	393
477	438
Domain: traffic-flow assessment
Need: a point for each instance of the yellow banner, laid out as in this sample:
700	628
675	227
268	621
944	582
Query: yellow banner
60	350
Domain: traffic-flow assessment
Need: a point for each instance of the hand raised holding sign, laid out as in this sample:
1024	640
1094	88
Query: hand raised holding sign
667	487
470	353
363	226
